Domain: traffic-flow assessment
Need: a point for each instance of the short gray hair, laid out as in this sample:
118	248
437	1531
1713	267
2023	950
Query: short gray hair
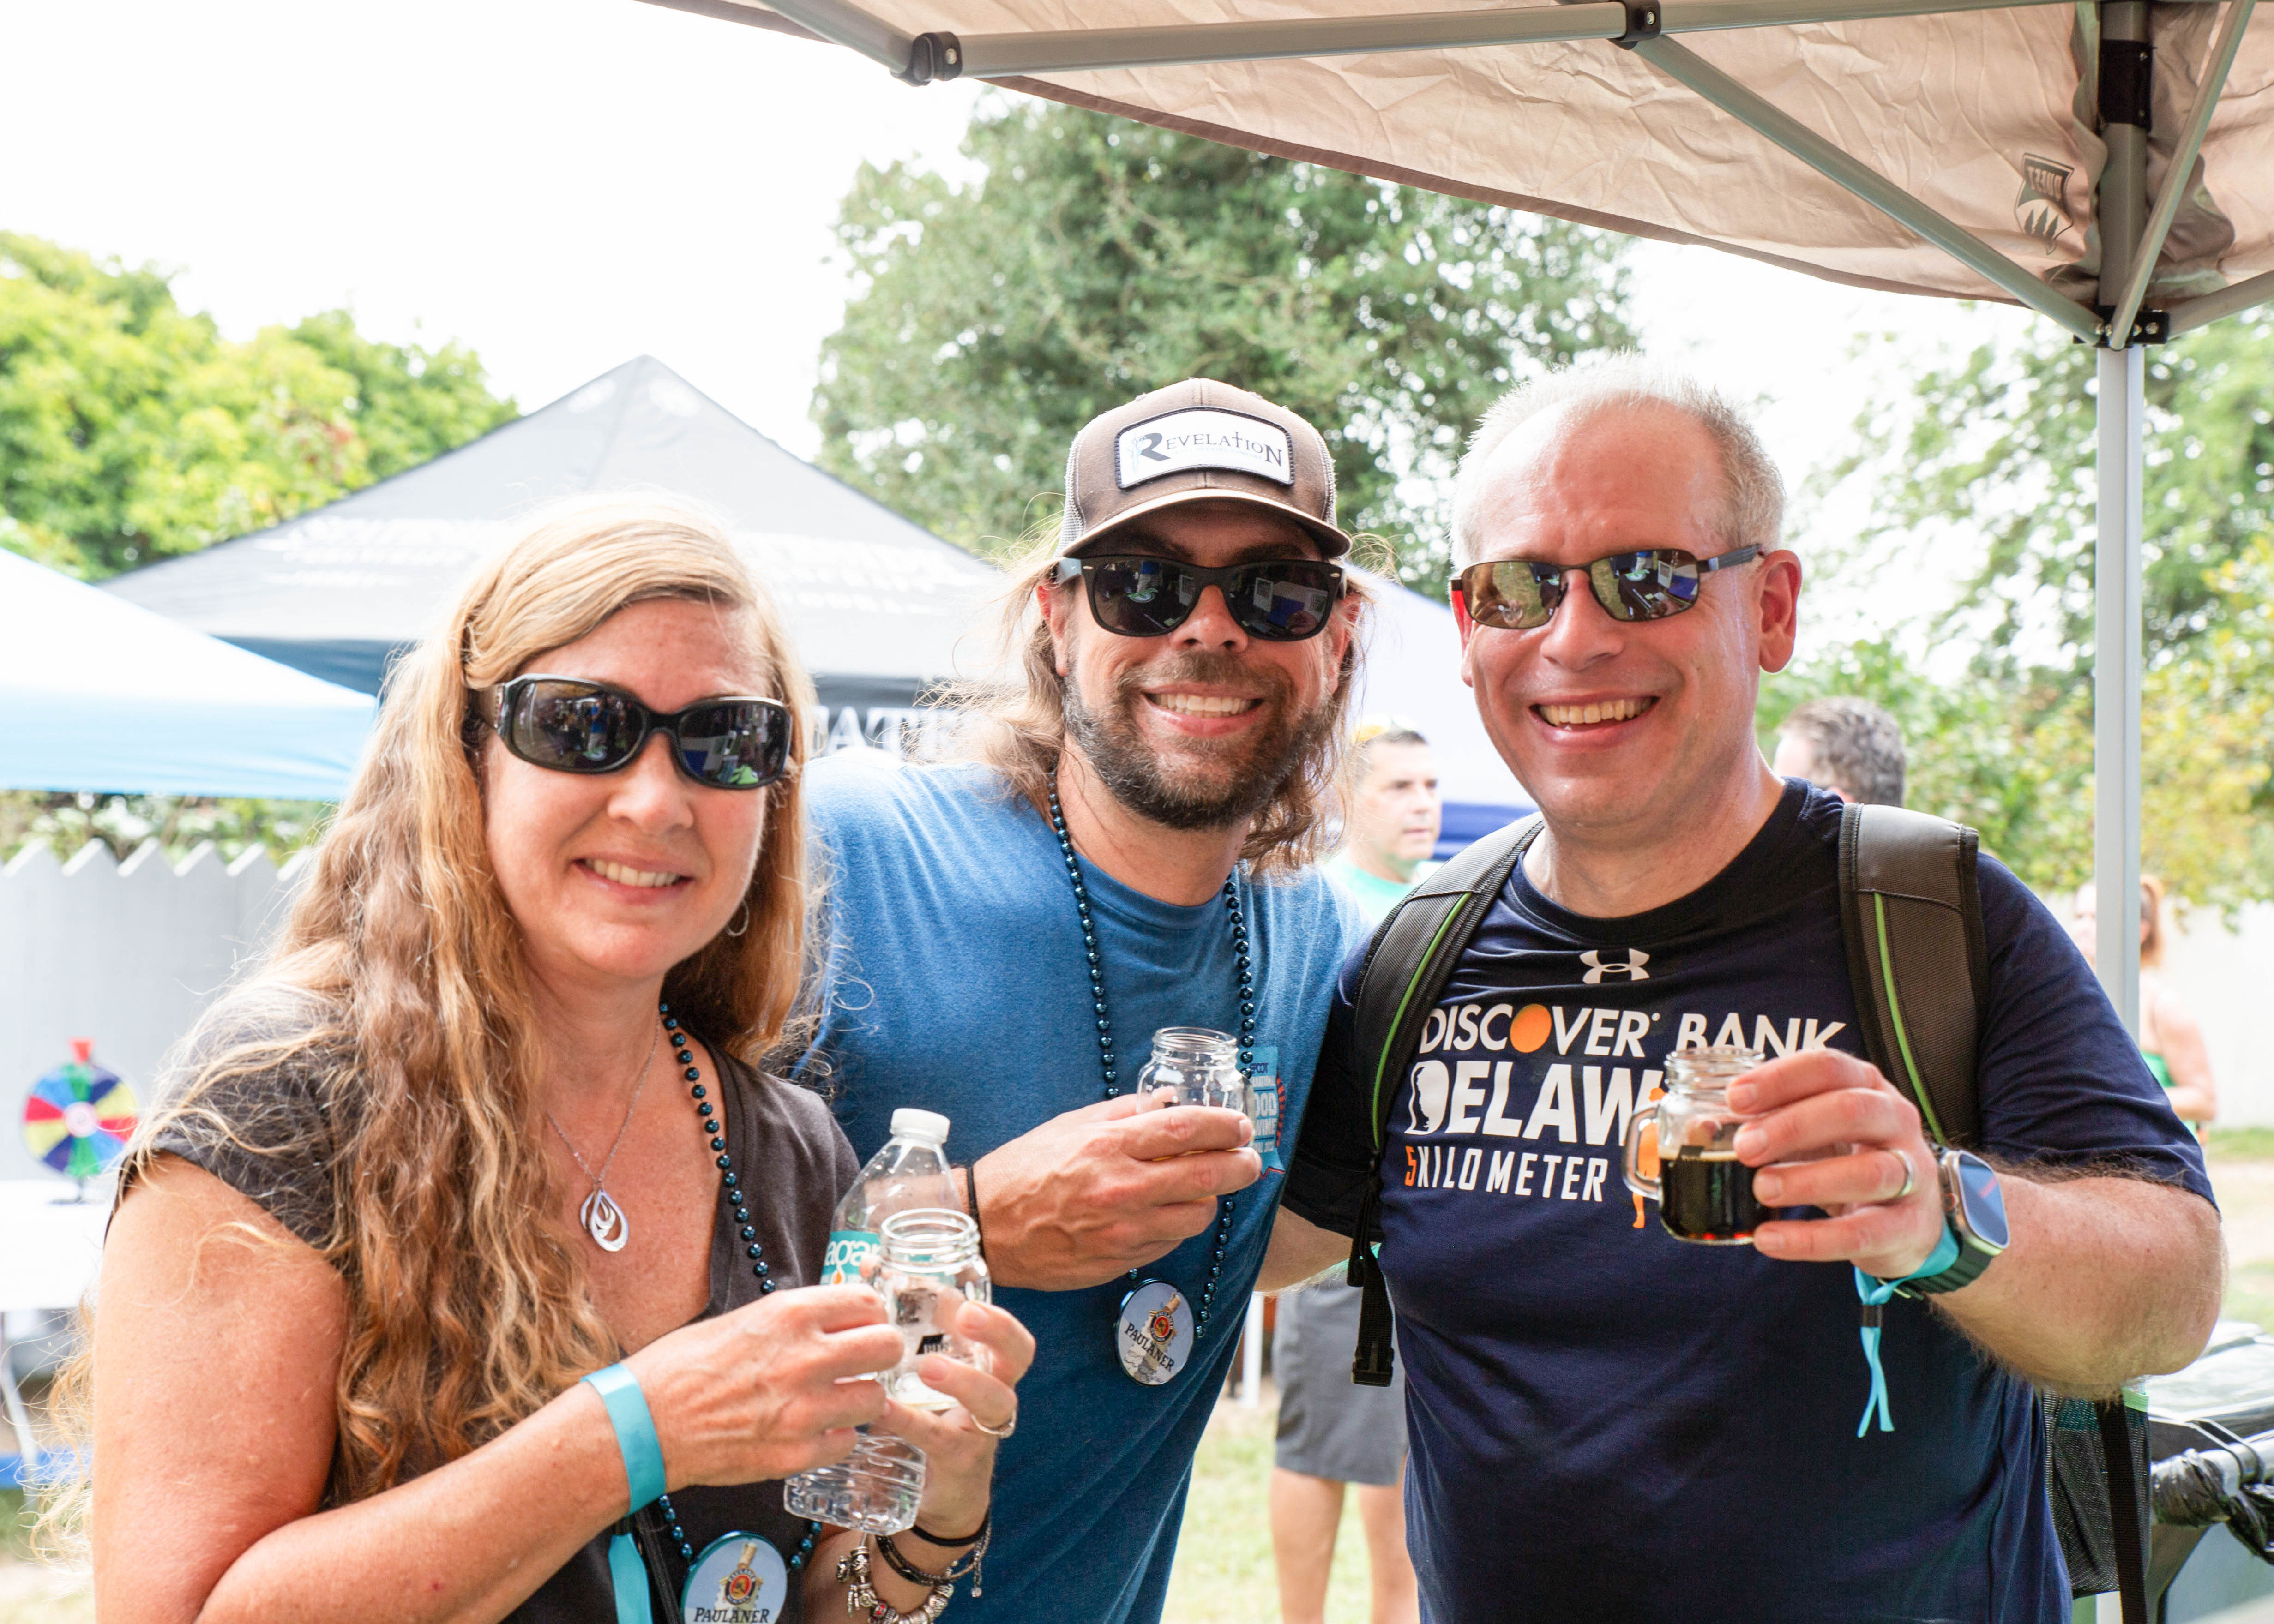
1859	748
1753	499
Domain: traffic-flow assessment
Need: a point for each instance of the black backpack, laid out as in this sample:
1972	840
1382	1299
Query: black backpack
1910	915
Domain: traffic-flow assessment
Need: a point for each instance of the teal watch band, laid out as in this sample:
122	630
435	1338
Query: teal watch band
635	1440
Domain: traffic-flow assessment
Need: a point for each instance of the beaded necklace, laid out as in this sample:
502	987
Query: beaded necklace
730	1189
1105	1023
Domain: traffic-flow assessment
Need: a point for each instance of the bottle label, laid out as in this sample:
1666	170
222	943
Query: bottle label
848	1250
1265	1096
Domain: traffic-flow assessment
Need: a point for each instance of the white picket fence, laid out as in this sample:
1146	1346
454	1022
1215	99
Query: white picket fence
127	954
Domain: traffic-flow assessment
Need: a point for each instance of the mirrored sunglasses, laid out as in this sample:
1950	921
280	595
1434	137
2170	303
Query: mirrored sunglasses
1280	600
1650	584
568	724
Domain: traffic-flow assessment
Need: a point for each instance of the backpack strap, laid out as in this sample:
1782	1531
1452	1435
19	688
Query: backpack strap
1407	965
1910	913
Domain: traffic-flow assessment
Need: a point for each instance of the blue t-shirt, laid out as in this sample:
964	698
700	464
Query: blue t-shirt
955	982
1609	1423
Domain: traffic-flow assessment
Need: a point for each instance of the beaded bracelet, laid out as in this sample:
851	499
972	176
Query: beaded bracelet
853	1573
966	1565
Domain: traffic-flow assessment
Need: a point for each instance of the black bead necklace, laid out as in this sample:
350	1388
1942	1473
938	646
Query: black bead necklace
730	1189
1106	1024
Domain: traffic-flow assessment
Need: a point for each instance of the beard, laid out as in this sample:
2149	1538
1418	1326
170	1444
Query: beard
1231	779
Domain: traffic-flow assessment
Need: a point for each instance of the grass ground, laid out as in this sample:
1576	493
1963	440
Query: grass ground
1224	1572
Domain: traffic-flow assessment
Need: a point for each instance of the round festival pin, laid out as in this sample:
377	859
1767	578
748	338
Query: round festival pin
738	1579
1154	1337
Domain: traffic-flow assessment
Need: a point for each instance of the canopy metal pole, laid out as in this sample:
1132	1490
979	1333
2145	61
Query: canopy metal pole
1075	51
2121	409
2201	313
2182	166
848	25
1678	61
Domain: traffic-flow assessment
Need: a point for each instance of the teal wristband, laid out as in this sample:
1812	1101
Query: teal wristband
635	1440
1945	1254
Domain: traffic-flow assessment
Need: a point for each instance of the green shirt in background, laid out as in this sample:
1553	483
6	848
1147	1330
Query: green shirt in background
1374	895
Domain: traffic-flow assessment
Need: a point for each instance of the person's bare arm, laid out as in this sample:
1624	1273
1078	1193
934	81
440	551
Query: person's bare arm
217	1344
1299	1250
2106	1278
1096	1193
2194	1094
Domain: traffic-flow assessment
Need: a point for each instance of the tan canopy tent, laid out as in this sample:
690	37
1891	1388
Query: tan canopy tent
1954	148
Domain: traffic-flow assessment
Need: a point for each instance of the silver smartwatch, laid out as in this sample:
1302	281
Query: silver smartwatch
1974	1206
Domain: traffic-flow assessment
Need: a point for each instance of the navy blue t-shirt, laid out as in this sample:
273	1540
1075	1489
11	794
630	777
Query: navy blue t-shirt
1609	1423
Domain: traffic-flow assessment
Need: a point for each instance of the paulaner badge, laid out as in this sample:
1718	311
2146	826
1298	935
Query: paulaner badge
738	1579
1154	1337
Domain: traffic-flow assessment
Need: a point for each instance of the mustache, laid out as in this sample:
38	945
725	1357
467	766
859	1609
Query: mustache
1206	667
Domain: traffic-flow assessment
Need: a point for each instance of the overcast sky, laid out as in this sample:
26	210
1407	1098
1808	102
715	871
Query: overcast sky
567	184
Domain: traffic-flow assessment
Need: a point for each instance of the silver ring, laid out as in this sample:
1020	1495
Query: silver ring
1910	1173
1010	1425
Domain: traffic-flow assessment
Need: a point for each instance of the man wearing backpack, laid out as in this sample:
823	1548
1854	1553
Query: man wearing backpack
1607	1423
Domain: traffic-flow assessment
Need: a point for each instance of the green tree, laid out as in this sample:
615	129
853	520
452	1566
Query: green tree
1997	449
1098	258
2000	445
131	429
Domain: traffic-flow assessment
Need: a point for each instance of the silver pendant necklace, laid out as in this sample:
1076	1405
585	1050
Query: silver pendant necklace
605	1221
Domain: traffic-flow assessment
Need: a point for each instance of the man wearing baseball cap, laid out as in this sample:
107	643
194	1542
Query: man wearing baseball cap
1127	849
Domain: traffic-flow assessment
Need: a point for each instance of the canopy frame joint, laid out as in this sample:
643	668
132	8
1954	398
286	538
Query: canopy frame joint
1644	22
937	56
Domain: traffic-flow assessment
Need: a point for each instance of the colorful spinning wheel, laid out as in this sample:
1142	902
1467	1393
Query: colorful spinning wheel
80	1116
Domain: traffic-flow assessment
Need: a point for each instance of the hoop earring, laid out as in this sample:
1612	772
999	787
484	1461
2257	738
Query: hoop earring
735	930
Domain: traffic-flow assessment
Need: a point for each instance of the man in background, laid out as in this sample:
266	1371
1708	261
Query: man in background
1332	1431
1390	828
1848	746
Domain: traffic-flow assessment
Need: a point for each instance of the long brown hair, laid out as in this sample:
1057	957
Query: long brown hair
1016	724
466	1308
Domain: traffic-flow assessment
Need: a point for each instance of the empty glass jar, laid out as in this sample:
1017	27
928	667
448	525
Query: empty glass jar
1193	1065
928	1266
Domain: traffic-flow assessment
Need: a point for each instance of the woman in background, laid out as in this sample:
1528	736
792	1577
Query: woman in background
2170	1040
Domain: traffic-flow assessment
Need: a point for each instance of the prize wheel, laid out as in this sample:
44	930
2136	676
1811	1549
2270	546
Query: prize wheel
80	1116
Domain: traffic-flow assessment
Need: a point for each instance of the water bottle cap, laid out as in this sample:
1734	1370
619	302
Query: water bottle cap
911	1123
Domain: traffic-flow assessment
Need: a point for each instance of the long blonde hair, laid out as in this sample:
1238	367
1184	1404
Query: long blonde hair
1017	724
466	1308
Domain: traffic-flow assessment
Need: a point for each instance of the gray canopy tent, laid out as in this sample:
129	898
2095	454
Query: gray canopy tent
876	605
2107	163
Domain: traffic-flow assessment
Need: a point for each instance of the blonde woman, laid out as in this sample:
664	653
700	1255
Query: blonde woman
462	1236
2171	1039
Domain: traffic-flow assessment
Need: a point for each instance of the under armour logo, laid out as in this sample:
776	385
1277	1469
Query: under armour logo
1632	969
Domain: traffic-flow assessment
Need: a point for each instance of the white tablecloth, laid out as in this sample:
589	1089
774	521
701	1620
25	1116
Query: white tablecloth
51	1246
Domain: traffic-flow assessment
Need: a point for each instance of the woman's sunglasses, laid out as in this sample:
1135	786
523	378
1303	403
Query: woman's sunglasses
1519	594
1281	600
568	724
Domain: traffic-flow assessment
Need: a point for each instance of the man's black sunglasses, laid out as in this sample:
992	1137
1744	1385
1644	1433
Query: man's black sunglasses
1520	594
569	725
1281	600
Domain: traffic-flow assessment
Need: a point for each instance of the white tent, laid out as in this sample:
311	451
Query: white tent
102	695
2108	163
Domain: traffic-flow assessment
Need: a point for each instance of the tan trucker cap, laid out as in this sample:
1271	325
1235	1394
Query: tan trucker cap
1198	440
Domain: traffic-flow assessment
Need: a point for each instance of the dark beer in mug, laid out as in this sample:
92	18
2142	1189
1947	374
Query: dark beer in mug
1707	1195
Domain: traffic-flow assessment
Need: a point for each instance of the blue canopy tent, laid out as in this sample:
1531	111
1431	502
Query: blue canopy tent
103	696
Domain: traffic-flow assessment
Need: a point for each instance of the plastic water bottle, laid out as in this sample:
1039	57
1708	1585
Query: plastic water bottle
875	1488
910	1172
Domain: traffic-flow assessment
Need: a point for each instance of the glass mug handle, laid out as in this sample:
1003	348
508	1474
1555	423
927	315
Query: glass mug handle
1643	1125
